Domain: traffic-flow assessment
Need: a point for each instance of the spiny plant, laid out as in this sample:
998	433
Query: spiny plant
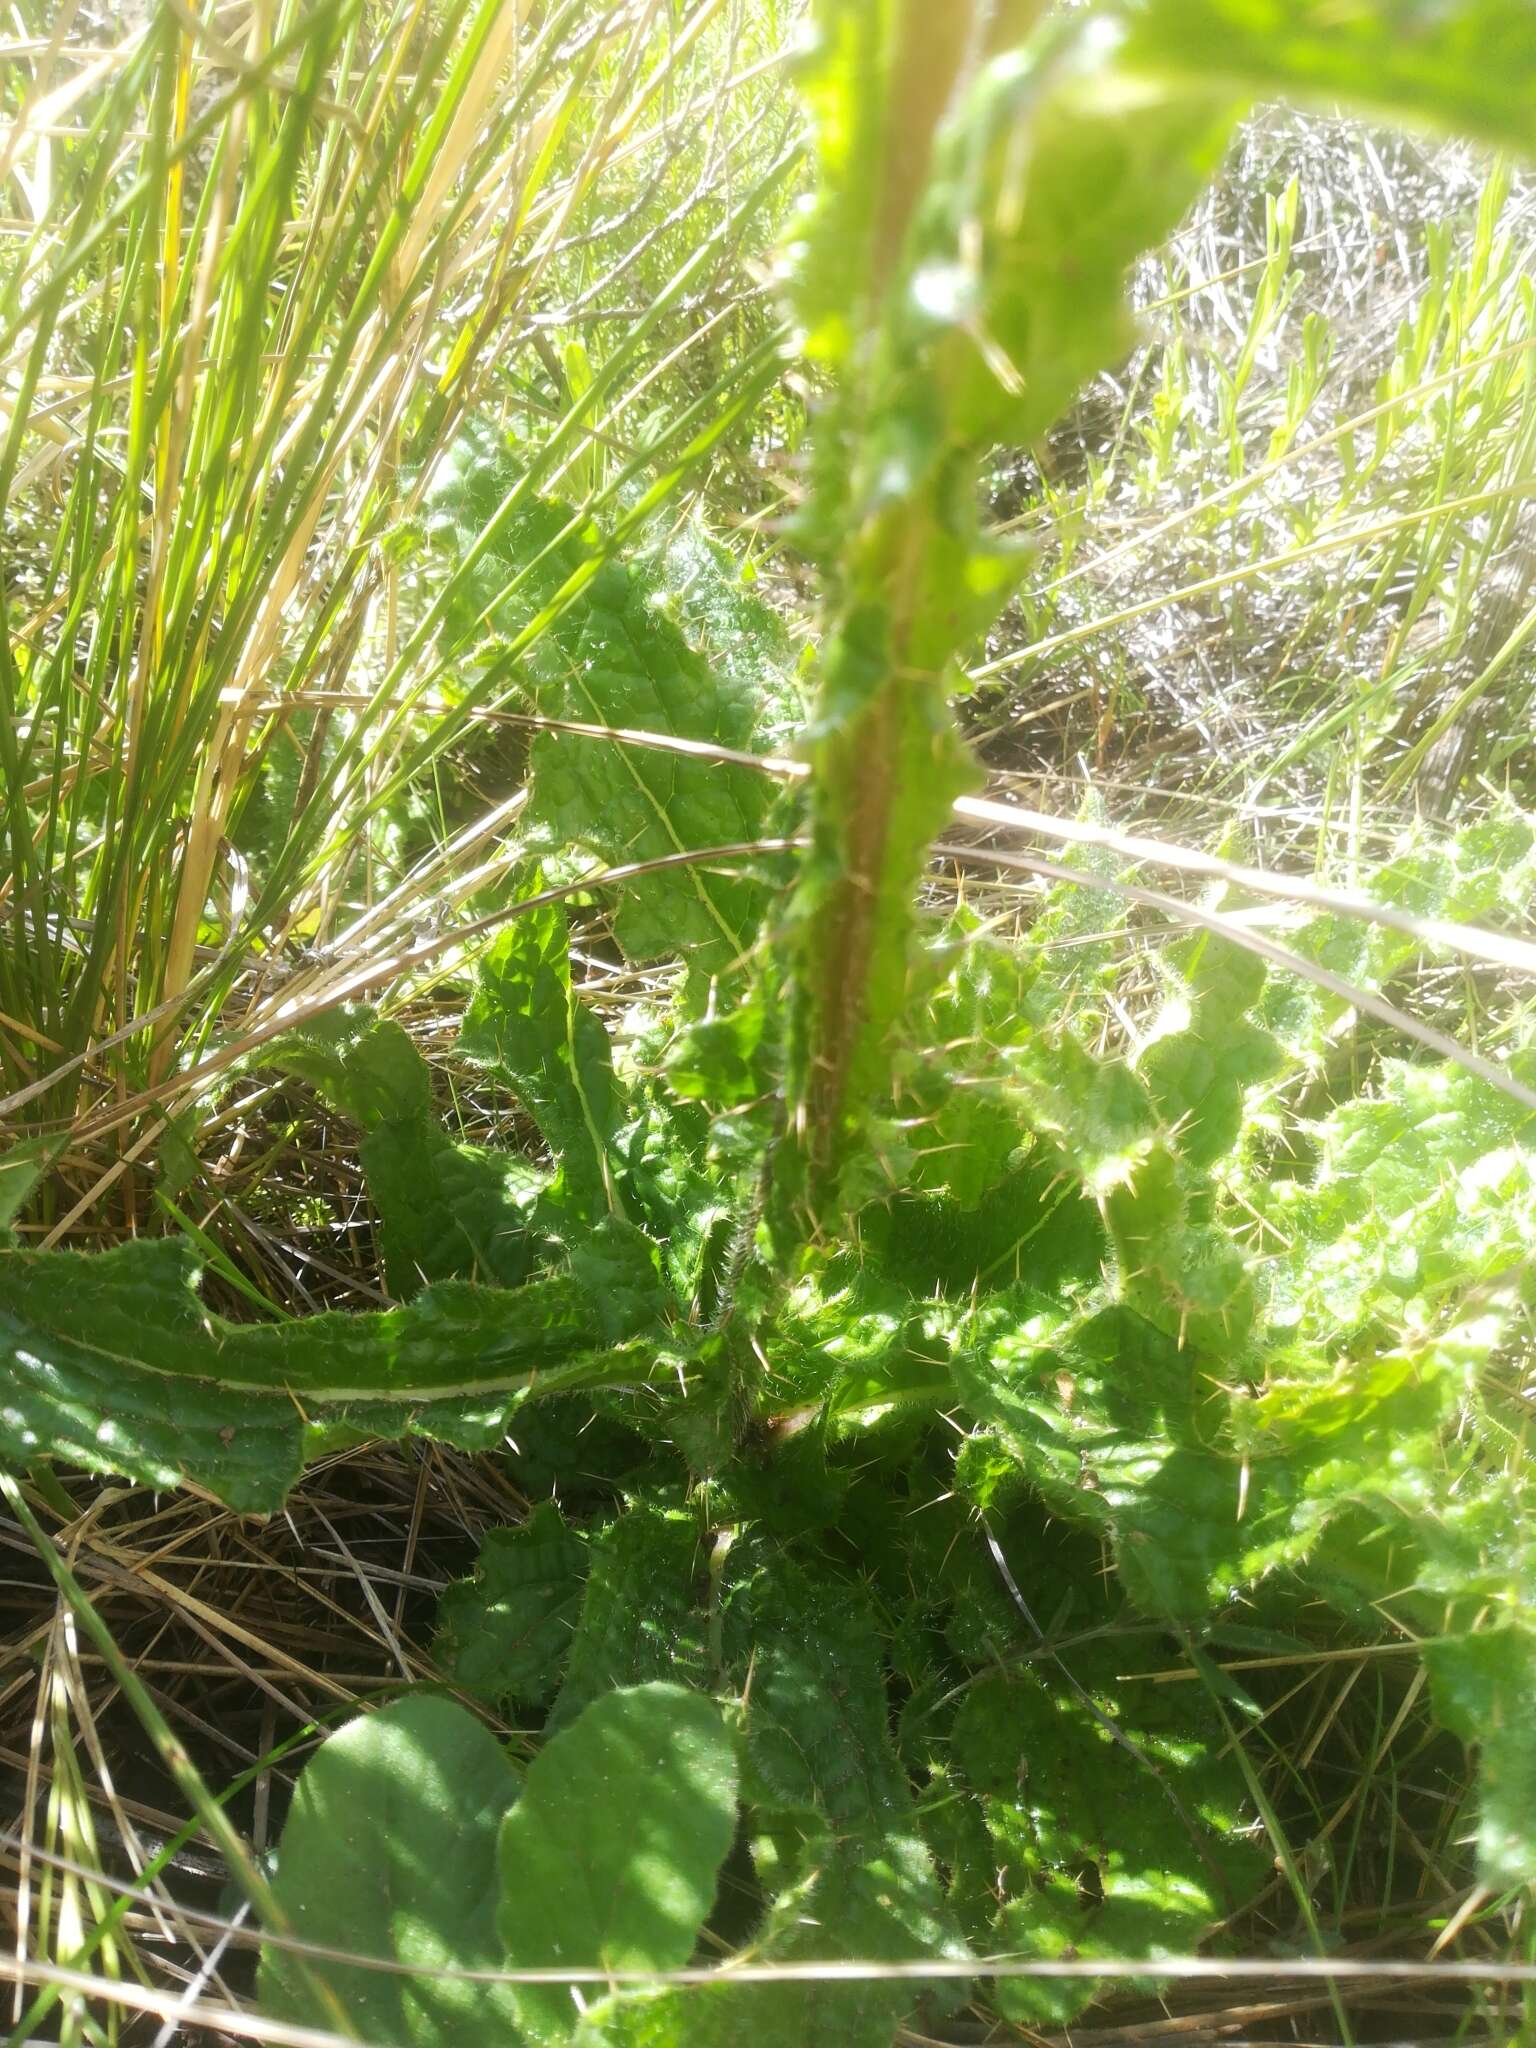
909	1268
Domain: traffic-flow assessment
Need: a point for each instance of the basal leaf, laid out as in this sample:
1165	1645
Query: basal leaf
504	1634
390	1850
449	1211
112	1362
837	1833
835	1837
610	1857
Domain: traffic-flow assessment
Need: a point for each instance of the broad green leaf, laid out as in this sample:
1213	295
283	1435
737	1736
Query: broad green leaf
966	1129
610	1857
1117	1821
835	1835
365	1066
1034	1223
389	1850
836	1830
449	1211
526	1023
1467	65
112	1362
621	659
1186	1275
504	1634
841	1911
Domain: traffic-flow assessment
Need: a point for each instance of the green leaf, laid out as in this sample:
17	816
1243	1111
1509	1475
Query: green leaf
526	1023
504	1634
1422	1193
1017	275
365	1066
22	1167
1483	1690
112	1362
1483	1686
610	1857
1101	1846
619	659
639	1614
1205	1054
1466	65
449	1211
670	642
390	1850
1104	1417
835	1835
446	1211
967	1127
837	1832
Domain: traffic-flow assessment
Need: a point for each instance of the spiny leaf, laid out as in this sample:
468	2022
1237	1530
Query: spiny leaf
111	1361
835	1837
504	1634
1099	1845
1053	174
1104	1417
449	1211
446	1211
526	1023
389	1850
640	1617
609	1859
364	1065
835	1820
